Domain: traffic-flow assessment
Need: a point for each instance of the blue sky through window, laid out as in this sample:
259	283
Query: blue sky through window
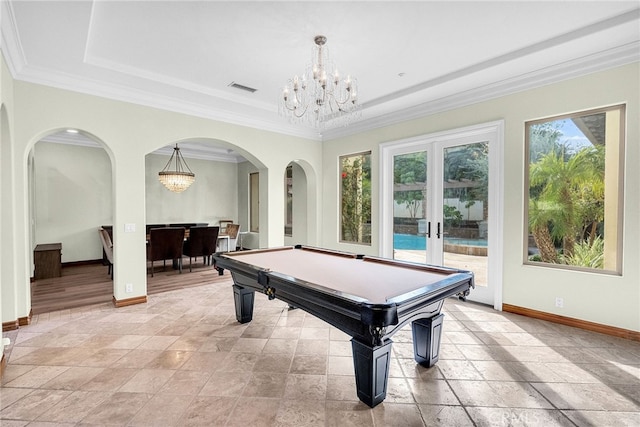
571	135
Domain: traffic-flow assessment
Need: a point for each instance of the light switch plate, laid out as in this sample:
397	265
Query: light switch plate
129	228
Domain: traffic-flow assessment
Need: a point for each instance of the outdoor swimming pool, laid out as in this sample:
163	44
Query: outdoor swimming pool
416	242
467	242
409	242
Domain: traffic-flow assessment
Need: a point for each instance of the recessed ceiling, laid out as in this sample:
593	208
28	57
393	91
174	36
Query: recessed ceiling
410	58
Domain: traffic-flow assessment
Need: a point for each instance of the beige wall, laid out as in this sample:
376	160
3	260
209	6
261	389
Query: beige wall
212	197
244	170
128	133
299	207
600	298
73	196
9	270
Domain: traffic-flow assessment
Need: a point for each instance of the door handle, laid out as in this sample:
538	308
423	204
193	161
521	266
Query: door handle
438	231
428	234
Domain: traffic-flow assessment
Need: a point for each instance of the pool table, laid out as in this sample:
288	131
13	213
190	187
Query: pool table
369	298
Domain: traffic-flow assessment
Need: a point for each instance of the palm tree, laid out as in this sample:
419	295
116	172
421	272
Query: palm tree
555	181
539	221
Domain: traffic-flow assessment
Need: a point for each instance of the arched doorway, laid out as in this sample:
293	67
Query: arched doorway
299	210
222	190
70	198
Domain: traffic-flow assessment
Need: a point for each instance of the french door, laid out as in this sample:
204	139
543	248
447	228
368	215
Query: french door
441	204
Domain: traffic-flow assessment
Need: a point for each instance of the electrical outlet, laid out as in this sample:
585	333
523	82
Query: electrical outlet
128	288
559	302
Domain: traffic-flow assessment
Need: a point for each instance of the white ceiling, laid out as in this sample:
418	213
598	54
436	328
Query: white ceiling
182	55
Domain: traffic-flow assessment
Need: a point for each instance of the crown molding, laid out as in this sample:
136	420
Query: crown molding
11	47
20	70
132	95
71	139
600	61
593	63
190	150
16	61
195	150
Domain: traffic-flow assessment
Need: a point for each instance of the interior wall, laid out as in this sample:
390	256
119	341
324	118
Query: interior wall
3	136
130	132
212	197
73	198
300	216
600	298
249	240
10	298
7	271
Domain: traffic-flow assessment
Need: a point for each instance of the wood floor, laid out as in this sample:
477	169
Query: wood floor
91	284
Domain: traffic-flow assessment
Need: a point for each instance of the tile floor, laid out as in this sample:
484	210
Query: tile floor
183	360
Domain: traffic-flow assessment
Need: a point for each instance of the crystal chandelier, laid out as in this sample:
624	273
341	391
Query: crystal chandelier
178	179
320	95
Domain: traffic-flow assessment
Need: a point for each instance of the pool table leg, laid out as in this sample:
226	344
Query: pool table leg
372	370
426	339
243	299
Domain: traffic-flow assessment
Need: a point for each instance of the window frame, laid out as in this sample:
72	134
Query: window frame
618	176
340	198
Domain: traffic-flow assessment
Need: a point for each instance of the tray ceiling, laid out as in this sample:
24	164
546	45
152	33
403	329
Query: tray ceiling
410	58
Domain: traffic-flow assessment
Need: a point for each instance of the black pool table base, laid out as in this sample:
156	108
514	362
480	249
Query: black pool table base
371	362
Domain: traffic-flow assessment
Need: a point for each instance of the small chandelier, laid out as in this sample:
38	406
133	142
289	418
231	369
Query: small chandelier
179	179
320	94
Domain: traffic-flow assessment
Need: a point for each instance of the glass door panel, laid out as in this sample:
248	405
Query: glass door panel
442	203
411	225
465	208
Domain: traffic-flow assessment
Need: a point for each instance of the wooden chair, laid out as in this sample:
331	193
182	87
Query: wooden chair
107	245
150	226
165	243
202	242
223	225
232	232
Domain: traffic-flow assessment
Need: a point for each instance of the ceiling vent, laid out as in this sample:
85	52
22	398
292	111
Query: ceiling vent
242	87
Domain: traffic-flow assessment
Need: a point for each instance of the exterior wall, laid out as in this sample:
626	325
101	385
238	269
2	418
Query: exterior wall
604	299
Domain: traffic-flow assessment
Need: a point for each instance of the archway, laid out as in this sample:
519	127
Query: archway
211	198
300	204
221	191
70	195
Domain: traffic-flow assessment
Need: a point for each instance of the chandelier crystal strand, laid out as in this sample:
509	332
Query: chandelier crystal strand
321	95
179	179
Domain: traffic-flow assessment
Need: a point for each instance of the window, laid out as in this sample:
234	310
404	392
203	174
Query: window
355	198
574	170
254	202
288	201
